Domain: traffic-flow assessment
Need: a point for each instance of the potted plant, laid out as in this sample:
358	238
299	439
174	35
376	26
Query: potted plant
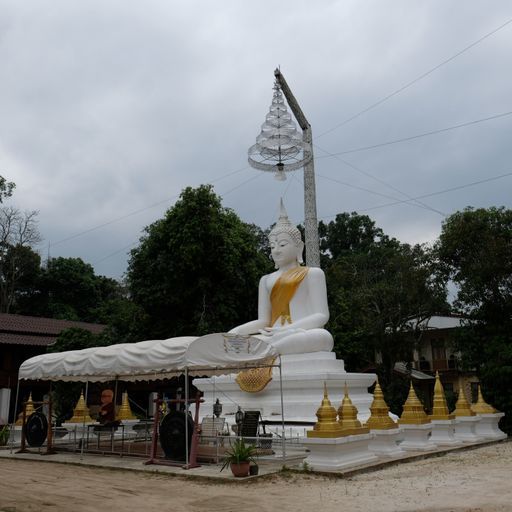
239	458
4	435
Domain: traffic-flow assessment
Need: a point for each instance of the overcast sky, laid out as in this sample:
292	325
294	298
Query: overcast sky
108	109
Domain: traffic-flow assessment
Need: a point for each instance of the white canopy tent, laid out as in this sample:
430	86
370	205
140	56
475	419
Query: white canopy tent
213	354
151	360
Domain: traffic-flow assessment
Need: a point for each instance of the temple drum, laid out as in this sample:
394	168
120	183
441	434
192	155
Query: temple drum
173	434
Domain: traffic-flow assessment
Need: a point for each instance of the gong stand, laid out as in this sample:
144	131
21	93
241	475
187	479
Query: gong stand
192	462
49	437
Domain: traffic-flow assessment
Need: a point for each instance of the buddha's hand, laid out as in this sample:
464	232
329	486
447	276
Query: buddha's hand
279	332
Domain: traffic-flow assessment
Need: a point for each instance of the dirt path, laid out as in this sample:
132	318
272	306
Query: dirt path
476	480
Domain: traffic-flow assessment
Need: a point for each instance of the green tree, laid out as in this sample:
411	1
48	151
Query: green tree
197	269
377	286
475	247
18	261
6	188
70	290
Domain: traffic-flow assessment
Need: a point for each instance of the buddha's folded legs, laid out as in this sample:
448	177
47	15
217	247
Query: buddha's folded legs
301	341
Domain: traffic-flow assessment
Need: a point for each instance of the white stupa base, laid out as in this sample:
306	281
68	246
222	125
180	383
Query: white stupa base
488	428
335	454
443	433
416	438
303	377
465	429
384	443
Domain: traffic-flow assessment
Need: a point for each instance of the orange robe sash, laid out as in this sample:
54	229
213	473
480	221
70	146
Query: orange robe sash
282	293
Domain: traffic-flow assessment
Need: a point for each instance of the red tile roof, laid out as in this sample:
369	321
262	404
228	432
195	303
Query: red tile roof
32	330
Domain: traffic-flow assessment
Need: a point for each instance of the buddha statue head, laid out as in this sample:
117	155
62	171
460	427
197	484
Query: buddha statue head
286	243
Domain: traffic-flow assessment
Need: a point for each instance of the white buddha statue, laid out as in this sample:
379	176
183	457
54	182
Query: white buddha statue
292	302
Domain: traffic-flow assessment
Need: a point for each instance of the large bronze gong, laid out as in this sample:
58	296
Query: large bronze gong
36	429
172	434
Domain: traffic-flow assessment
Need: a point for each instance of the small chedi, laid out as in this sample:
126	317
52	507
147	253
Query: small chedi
379	412
440	410
481	406
125	412
348	421
415	424
384	430
462	407
327	425
81	411
466	419
29	409
443	423
488	426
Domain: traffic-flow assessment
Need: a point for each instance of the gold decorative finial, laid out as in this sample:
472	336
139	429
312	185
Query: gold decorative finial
440	410
379	418
348	421
29	409
125	413
413	413
81	411
462	407
481	406
327	426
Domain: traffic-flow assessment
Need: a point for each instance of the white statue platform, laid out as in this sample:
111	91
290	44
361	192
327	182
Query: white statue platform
303	377
338	453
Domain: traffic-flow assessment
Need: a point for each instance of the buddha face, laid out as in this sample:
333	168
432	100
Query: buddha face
284	249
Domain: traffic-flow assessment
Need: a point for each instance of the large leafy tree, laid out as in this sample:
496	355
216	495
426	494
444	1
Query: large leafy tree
475	247
18	261
376	287
197	269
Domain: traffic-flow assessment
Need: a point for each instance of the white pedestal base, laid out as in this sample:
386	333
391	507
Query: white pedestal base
443	433
416	437
335	454
303	377
465	429
384	443
488	428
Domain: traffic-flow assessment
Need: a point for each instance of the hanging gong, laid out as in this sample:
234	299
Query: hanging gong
36	429
172	434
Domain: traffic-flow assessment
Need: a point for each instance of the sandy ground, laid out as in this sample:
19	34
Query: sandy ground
475	480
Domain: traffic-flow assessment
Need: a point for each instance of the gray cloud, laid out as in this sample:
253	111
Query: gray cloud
110	107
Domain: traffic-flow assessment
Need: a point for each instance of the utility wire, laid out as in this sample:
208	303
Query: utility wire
386	196
382	182
413	137
135	212
444	191
416	80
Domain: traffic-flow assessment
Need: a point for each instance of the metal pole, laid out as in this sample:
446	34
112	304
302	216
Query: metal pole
310	215
282	409
186	418
82	441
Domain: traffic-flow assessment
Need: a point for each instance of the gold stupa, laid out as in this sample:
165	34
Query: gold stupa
347	414
379	418
481	406
81	411
440	410
29	409
413	413
327	426
125	413
462	407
